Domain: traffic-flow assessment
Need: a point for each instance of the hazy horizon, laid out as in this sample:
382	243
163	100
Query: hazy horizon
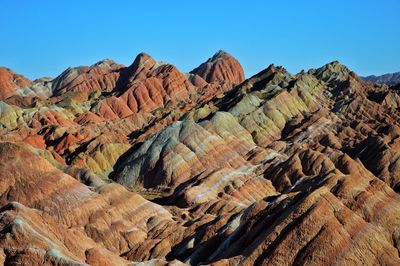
44	38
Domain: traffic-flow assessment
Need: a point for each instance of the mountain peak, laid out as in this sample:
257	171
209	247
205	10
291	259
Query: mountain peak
165	166
220	67
142	63
336	65
143	60
221	54
105	63
331	72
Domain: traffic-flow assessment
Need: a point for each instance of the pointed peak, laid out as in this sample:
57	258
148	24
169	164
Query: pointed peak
271	68
105	63
220	67
331	72
143	63
337	66
143	60
221	52
220	55
279	73
143	55
334	62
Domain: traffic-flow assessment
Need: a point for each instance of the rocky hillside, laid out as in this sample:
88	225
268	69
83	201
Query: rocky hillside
389	79
145	165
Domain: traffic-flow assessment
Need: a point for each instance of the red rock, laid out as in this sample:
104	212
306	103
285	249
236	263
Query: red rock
148	88
221	67
108	214
140	67
102	76
10	82
279	169
36	141
88	117
68	140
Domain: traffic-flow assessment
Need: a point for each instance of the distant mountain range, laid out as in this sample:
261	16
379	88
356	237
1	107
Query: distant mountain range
389	79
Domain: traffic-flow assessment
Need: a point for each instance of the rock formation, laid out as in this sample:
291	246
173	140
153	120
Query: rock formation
146	165
10	82
220	67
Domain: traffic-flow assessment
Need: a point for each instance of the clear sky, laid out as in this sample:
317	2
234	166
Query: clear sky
42	38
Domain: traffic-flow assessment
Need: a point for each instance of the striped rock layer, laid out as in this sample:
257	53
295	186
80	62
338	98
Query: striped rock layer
114	165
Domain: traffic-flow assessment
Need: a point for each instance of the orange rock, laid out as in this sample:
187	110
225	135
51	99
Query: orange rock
36	141
10	81
102	76
280	169
221	67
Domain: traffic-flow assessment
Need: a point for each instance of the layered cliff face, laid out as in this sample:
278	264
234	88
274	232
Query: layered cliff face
115	165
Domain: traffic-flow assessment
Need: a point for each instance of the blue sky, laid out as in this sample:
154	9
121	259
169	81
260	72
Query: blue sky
42	38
